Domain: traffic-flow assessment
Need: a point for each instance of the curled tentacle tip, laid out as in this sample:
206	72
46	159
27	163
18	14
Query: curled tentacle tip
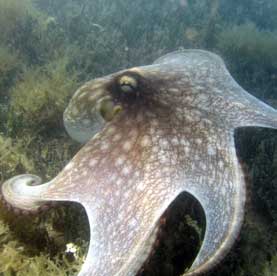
21	194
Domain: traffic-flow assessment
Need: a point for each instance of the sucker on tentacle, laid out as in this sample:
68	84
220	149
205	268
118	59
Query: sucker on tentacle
152	133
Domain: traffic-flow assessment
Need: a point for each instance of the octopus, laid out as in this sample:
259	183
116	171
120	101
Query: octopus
151	133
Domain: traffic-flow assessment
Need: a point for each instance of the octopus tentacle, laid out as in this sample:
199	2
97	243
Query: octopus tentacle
224	210
27	193
23	192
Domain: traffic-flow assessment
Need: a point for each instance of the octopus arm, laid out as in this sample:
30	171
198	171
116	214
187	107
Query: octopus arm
222	196
25	192
124	219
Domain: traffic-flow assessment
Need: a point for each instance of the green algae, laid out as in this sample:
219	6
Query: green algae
13	157
252	57
38	101
33	97
14	13
9	66
270	267
36	246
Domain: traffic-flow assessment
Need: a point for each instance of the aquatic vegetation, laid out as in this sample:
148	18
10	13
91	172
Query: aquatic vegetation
270	267
254	46
256	148
51	250
265	175
13	158
21	19
9	65
261	12
12	14
39	99
252	57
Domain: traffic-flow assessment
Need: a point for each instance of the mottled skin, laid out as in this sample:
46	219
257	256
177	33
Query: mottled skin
175	133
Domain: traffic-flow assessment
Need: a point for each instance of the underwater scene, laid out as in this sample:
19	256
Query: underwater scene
152	126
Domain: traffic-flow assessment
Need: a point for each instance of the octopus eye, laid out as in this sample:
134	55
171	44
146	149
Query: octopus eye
107	108
128	84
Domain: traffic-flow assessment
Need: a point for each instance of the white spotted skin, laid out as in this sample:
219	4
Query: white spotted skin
176	135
